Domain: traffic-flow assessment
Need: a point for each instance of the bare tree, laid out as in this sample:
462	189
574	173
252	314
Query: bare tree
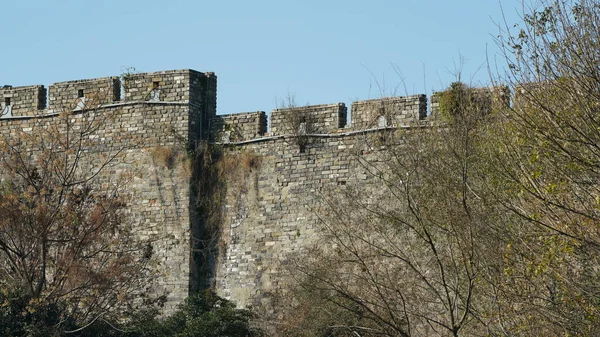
407	260
544	170
64	240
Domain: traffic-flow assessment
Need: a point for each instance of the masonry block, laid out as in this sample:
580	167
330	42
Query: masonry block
389	111
484	99
170	86
22	101
313	119
88	93
238	127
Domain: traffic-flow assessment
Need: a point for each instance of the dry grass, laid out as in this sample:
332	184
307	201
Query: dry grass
171	157
164	156
237	165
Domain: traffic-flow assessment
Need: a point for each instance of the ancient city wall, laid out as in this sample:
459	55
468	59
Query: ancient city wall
238	127
275	199
273	188
151	137
273	203
277	188
22	101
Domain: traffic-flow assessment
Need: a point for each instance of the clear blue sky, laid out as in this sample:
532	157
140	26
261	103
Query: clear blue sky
321	51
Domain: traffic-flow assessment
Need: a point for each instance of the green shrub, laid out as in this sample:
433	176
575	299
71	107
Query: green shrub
202	315
20	315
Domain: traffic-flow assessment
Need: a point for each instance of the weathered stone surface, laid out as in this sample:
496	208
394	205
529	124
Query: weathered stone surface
238	127
323	118
272	212
22	101
153	138
389	111
270	207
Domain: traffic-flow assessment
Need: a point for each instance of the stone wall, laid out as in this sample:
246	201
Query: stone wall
167	86
271	209
238	127
485	99
197	89
273	188
22	101
74	94
389	111
323	118
157	195
153	138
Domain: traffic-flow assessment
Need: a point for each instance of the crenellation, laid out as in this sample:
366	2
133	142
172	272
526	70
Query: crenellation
485	99
186	86
22	101
238	127
312	119
81	94
388	112
268	209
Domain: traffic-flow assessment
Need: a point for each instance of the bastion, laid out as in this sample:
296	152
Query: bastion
268	209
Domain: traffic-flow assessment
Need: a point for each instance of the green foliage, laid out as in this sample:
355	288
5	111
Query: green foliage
452	100
20	315
202	314
462	102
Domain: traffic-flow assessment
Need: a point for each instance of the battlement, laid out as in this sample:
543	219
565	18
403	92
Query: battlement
389	111
323	118
267	210
22	101
170	86
484	98
199	90
238	127
75	94
181	86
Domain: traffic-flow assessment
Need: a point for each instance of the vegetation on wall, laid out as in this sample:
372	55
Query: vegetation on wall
67	255
486	225
297	122
219	171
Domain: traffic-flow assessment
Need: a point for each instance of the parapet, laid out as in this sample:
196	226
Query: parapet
531	94
389	111
238	127
484	99
310	119
22	101
75	94
186	85
197	89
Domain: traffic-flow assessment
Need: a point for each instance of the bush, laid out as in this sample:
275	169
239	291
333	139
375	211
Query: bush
20	315
202	314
